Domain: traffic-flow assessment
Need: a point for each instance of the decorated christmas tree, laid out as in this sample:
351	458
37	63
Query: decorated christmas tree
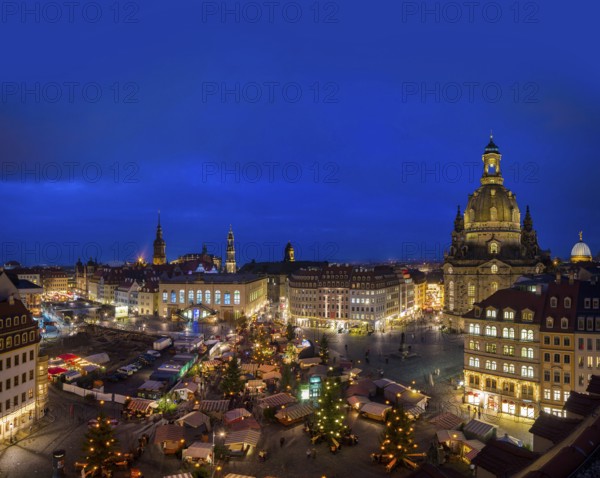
324	350
231	383
330	412
397	437
100	444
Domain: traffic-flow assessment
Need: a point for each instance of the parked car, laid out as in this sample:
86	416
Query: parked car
154	353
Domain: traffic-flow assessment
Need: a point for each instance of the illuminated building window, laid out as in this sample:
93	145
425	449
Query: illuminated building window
227	298
508	350
173	297
207	297
236	297
556	395
165	296
471	290
546	394
494	248
494	286
218	297
473	362
509	315
474	329
491	365
527	371
491	331
181	296
191	296
473	345
527	352
527	316
564	323
494	269
549	322
509	368
526	335
198	297
491	313
508	333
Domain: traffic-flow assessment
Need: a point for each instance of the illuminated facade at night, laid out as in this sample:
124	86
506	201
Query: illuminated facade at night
341	296
490	249
24	384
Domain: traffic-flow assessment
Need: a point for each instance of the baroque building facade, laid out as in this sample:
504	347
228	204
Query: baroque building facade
490	246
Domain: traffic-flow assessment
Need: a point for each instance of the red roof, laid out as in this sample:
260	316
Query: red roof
56	370
68	357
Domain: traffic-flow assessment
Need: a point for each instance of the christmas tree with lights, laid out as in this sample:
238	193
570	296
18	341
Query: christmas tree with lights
397	437
330	412
100	444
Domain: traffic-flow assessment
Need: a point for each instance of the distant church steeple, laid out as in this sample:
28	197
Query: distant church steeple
230	266
288	255
160	246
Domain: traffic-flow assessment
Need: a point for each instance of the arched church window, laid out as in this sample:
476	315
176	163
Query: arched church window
494	248
494	269
493	214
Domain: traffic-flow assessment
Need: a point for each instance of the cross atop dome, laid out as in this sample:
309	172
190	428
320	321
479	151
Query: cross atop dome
491	147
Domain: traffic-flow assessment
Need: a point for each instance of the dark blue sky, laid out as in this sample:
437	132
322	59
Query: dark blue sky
351	128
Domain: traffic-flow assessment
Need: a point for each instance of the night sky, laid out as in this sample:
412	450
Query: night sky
351	128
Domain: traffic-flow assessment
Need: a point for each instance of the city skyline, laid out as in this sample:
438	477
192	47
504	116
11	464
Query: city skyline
366	137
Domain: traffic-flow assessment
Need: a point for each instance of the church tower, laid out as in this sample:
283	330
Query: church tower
490	249
230	267
160	247
288	255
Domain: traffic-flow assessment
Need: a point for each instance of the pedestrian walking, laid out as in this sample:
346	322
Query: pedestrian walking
308	452
479	413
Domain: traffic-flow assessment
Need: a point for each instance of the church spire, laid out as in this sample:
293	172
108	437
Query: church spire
459	221
528	221
230	265
160	246
491	163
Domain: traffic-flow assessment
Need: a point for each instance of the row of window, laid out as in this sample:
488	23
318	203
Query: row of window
15	380
556	342
9	321
526	370
587	323
509	350
15	400
508	314
556	395
587	303
507	332
17	340
9	360
199	297
507	386
556	358
555	376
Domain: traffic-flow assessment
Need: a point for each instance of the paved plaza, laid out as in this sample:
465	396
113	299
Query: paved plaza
434	365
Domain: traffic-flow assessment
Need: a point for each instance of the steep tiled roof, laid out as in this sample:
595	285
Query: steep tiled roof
553	428
504	459
594	385
581	403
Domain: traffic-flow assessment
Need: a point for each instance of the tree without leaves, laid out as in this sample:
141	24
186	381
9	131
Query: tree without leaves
324	350
231	383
